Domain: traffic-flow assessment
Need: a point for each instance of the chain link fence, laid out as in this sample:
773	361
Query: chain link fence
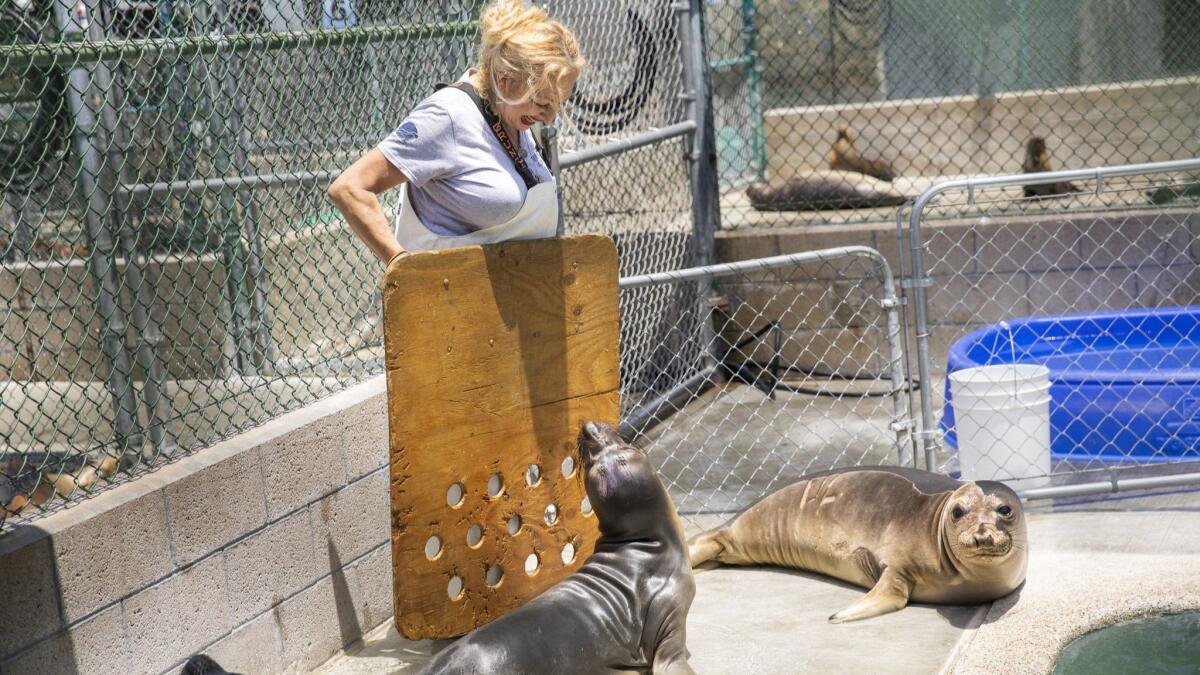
1103	292
928	91
777	367
171	271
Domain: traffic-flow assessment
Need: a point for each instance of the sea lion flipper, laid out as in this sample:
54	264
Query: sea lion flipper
705	547
889	594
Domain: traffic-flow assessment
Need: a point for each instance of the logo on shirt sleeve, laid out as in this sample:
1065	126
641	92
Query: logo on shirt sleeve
407	132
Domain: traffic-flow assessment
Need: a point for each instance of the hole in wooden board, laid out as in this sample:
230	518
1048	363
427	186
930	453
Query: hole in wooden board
514	524
494	574
586	507
433	546
454	589
531	564
495	485
533	475
551	514
454	496
568	466
568	553
474	535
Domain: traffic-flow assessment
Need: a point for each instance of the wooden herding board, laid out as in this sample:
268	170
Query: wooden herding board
495	356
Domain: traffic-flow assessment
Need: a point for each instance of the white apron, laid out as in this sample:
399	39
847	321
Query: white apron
537	219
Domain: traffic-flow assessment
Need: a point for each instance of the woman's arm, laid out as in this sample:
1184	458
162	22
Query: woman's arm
355	194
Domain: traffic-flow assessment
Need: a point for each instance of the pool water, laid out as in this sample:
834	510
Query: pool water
1167	645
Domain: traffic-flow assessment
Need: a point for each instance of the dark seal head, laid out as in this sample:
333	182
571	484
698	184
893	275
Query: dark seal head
623	488
625	609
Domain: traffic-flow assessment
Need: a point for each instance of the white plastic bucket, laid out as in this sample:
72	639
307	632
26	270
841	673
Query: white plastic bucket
1002	421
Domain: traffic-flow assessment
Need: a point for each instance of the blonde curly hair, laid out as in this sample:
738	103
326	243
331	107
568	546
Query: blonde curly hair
525	49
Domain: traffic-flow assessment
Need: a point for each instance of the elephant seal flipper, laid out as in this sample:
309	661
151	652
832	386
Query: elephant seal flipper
889	594
901	533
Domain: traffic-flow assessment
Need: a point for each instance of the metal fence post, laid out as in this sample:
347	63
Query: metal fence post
918	284
102	260
701	148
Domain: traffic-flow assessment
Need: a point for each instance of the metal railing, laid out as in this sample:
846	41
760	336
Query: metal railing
1102	289
777	367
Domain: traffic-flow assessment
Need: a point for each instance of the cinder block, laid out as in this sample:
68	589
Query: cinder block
302	465
214	506
365	443
949	246
815	237
175	618
270	565
374	571
352	521
252	648
1081	291
731	247
30	609
989	298
112	555
1046	244
1126	241
317	623
93	646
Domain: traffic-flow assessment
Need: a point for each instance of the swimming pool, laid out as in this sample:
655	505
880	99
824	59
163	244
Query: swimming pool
1124	386
1161	645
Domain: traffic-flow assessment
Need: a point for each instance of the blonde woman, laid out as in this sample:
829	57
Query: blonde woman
464	157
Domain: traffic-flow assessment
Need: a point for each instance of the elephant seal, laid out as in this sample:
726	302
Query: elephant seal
819	190
624	609
903	533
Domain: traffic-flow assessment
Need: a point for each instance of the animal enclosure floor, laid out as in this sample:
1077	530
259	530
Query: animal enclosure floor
1092	563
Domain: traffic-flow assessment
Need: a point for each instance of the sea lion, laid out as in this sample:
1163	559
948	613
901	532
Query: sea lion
844	157
818	190
903	533
624	609
1037	160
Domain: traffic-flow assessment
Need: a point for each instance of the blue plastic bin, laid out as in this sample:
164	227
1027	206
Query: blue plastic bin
1124	386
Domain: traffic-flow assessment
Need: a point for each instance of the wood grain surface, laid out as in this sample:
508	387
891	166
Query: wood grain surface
495	356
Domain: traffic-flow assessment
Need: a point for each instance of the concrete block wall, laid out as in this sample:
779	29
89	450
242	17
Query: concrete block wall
1089	126
268	551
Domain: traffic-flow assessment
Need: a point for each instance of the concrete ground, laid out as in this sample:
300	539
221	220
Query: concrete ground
1093	561
1092	564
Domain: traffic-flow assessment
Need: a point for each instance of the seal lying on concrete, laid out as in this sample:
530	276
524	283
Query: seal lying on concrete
904	534
819	190
626	607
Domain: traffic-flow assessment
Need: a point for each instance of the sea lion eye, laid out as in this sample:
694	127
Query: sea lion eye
1005	510
957	512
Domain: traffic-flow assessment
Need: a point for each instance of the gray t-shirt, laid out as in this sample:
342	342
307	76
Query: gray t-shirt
460	178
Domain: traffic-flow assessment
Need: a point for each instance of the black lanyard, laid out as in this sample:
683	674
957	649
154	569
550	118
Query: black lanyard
493	121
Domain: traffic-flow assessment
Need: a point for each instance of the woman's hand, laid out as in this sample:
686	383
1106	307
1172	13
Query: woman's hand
355	193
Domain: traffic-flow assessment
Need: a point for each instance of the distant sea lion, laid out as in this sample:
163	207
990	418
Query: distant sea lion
1037	160
904	534
820	190
844	157
626	607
